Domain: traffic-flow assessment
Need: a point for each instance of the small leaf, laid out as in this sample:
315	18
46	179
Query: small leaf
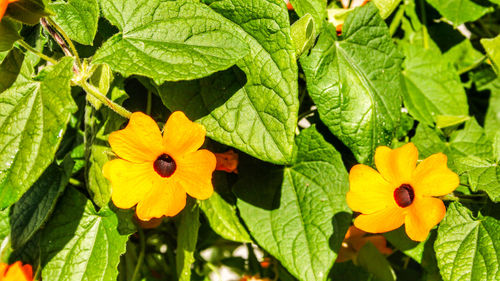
492	47
471	140
36	205
386	7
467	247
298	213
302	32
223	219
461	11
316	8
355	82
463	55
33	118
99	186
10	68
78	18
9	32
481	175
80	243
186	242
180	40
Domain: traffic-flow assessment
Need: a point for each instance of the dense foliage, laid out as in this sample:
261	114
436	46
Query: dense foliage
301	94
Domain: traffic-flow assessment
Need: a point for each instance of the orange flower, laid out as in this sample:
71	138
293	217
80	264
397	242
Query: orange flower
3	6
227	161
355	239
16	272
400	192
155	172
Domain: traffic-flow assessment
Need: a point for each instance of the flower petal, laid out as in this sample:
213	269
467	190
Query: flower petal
194	173
422	216
368	191
433	178
18	272
381	221
396	165
166	198
379	242
130	181
140	141
181	135
3	7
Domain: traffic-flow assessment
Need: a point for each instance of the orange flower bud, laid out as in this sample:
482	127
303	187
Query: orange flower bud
227	161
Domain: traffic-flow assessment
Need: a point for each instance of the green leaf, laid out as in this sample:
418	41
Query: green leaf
492	47
33	118
4	223
355	82
78	18
399	239
471	140
9	32
298	213
27	11
223	219
316	8
433	85
348	271
180	40
260	118
375	263
302	32
463	55
467	248
10	68
461	11
481	175
37	204
186	242
492	118
99	186
386	7
80	243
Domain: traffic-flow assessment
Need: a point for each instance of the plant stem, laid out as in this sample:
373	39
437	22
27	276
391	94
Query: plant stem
142	252
90	89
68	41
34	51
397	19
305	113
424	26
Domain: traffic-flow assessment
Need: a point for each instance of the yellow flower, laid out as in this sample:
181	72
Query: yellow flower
400	192
16	272
355	239
3	6
155	172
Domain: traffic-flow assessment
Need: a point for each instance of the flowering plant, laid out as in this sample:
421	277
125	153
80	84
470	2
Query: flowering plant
249	140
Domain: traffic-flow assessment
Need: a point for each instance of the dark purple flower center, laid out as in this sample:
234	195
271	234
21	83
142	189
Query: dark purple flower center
404	195
164	165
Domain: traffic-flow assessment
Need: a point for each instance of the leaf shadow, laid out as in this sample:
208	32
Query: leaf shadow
340	222
199	98
259	183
